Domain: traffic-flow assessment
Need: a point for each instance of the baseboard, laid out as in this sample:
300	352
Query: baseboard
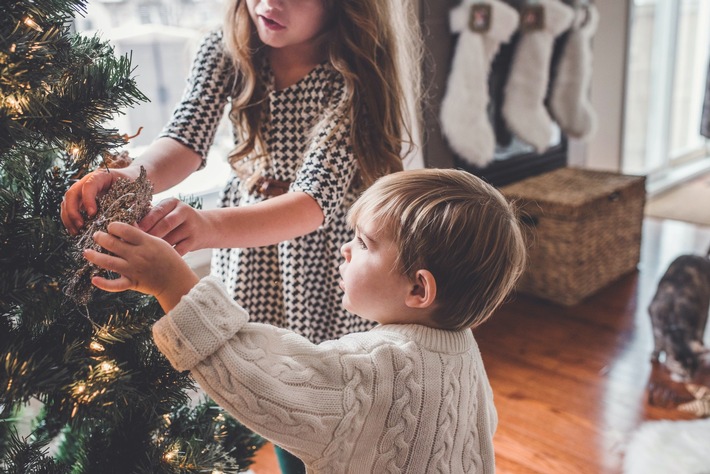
661	182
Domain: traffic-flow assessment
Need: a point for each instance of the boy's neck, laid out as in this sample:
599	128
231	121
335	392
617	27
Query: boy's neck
418	316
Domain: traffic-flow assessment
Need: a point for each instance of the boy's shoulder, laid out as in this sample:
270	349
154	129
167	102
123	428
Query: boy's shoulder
417	337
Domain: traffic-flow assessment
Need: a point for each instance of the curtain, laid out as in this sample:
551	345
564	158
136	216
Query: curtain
705	121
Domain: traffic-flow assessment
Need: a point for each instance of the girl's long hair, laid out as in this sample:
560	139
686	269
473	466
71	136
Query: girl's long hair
376	46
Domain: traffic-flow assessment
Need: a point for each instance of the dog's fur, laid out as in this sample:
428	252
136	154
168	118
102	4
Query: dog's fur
679	314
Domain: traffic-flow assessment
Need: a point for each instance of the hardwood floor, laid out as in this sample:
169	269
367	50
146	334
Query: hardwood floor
570	382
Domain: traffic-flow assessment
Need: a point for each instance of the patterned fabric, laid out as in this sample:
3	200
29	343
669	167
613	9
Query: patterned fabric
293	284
398	398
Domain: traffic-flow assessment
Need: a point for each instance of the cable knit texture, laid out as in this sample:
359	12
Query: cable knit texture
398	398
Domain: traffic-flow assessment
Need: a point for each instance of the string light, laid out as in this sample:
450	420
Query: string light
108	367
79	389
96	346
83	394
14	103
170	455
99	372
32	24
74	151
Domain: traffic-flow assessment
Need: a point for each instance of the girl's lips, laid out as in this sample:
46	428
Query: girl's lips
271	24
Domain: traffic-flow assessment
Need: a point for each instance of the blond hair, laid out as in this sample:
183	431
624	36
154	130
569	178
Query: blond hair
459	228
376	46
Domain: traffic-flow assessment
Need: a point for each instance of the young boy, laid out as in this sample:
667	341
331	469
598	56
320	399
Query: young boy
435	252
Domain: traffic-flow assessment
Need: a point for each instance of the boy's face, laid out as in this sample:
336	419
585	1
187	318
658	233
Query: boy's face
372	287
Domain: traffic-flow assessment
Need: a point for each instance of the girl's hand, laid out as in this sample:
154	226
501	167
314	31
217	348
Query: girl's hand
83	193
146	264
178	224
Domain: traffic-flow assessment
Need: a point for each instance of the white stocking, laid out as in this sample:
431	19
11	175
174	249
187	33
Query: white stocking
464	115
523	104
569	100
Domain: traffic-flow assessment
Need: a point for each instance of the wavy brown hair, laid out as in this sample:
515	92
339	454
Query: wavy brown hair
376	46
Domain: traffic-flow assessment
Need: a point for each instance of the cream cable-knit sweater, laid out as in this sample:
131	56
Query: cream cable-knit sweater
398	398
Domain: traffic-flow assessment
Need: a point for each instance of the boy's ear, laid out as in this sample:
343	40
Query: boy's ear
423	291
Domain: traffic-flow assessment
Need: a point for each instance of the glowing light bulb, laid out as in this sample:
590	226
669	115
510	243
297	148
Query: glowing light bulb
107	367
32	24
14	103
96	346
170	455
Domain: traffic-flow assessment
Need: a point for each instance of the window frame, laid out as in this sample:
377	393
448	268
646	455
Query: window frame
664	166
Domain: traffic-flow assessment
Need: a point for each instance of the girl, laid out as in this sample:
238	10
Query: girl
319	111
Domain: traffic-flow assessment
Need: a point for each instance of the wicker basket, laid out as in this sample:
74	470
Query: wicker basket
584	230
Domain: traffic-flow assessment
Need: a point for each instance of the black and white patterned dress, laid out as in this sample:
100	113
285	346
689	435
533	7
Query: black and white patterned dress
293	284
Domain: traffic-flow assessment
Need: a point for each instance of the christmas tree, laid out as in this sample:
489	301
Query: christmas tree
110	401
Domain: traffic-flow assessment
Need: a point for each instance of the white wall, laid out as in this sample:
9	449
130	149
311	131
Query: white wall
604	150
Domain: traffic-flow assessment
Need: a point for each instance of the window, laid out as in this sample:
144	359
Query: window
161	36
667	68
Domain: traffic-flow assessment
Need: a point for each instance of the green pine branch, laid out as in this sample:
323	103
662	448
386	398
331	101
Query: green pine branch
105	388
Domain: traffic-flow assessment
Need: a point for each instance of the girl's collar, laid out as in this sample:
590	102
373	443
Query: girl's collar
314	75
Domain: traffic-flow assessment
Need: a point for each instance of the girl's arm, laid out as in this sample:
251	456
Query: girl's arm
167	162
184	141
268	222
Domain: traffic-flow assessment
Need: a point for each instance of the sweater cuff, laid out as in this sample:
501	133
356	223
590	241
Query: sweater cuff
199	324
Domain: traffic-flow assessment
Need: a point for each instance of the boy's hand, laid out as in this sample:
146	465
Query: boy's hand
146	264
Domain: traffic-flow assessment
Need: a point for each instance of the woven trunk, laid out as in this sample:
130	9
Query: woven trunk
583	229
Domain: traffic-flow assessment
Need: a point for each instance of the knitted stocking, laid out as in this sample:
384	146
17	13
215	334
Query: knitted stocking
483	26
569	100
523	106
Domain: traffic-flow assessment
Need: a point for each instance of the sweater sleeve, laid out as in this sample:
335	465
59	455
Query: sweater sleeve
298	394
200	324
